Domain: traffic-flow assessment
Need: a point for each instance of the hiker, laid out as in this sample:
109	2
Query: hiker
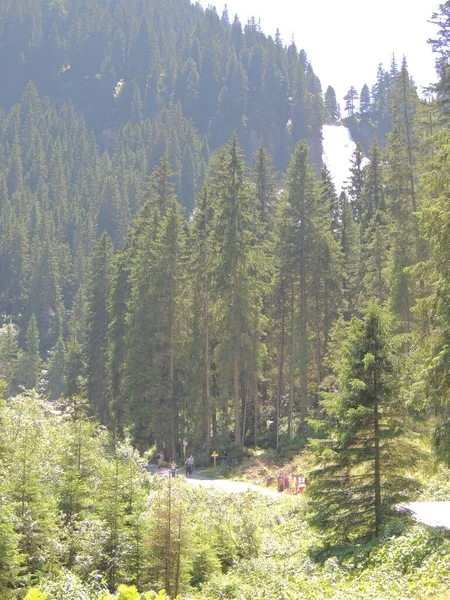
301	483
280	482
187	465
293	484
173	468
224	460
191	465
160	458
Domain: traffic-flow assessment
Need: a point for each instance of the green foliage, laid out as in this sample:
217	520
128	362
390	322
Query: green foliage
358	479
222	329
35	594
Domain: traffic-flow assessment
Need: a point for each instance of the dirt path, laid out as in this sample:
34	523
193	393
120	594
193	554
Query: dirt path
226	485
434	514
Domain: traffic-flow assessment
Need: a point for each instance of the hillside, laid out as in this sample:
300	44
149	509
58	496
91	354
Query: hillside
123	61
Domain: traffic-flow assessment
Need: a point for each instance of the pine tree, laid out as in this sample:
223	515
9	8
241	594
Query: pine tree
440	45
234	274
27	472
97	321
56	371
350	99
265	185
301	209
10	558
358	481
356	180
373	230
365	101
200	383
170	541
350	249
434	220
155	319
331	106
30	359
117	349
8	354
406	245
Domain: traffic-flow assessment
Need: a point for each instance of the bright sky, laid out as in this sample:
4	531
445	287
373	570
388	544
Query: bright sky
345	40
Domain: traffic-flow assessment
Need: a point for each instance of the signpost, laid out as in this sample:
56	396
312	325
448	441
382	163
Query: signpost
214	455
185	443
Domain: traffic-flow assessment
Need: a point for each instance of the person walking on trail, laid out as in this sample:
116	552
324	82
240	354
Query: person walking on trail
191	465
160	458
187	465
173	468
224	460
281	483
301	483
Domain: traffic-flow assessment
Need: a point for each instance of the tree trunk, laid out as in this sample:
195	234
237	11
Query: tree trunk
168	544
318	349
237	408
255	392
207	382
303	341
377	459
291	373
280	368
171	380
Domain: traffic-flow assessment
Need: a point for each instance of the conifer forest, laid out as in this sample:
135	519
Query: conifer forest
179	273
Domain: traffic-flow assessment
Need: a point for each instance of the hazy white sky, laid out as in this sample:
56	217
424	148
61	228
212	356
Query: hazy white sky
345	40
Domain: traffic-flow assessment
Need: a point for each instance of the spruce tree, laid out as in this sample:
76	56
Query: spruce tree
156	323
440	45
401	176
201	335
9	350
301	210
373	230
434	218
97	321
331	106
56	371
234	274
30	357
359	478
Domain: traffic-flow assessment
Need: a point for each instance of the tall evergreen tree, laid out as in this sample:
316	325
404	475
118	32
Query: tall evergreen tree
441	46
9	350
30	368
234	274
331	106
357	483
301	212
434	220
97	320
373	230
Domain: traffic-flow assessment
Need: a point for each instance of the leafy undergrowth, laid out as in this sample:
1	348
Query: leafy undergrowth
252	547
408	561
